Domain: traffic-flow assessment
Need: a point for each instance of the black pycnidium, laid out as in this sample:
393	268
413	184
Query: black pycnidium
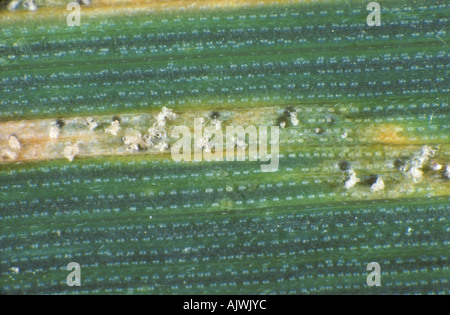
214	115
344	166
370	180
398	163
60	123
289	109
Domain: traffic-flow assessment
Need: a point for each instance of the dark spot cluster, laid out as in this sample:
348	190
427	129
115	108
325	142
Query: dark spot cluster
286	116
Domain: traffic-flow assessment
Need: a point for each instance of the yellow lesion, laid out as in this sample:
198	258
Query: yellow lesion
388	134
117	7
39	141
